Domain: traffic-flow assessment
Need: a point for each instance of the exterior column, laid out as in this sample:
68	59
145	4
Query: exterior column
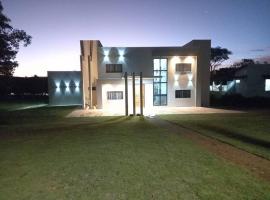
90	82
133	92
126	94
82	87
141	93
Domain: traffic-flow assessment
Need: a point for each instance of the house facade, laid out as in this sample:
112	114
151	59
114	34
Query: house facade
120	78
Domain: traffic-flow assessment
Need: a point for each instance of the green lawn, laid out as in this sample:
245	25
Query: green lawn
248	131
46	156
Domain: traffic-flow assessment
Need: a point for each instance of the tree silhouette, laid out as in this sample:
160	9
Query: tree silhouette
218	56
10	40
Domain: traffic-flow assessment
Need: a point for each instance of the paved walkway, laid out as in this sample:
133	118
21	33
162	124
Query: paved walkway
151	112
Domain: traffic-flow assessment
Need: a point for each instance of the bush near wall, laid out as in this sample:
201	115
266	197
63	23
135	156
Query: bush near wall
237	100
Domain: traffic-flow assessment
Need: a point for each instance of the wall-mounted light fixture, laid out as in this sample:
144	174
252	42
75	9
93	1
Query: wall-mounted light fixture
106	55
189	59
121	53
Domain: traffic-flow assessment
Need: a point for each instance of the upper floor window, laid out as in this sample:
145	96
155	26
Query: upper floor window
267	84
183	68
113	68
182	94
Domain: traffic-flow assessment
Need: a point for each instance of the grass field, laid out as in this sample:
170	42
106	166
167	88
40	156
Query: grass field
248	131
44	155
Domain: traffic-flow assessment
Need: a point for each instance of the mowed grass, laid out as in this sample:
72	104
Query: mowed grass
46	156
248	131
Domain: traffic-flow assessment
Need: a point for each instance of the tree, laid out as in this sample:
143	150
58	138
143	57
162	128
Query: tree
243	63
10	41
218	56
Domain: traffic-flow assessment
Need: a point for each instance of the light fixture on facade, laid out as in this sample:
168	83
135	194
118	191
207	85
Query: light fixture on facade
106	54
190	84
190	76
67	86
237	81
57	85
189	59
121	53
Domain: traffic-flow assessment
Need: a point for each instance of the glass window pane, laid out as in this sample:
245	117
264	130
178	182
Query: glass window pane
156	100
163	64
163	88
163	100
163	76
156	64
156	80
156	73
156	88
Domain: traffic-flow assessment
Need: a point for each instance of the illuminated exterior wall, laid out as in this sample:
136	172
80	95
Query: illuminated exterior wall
97	82
64	88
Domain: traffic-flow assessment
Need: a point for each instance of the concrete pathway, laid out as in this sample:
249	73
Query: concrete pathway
151	112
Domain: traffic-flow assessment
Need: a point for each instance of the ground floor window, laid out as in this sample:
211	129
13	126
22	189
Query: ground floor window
160	82
114	95
182	94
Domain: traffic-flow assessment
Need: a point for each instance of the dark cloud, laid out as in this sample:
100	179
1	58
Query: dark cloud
257	50
261	49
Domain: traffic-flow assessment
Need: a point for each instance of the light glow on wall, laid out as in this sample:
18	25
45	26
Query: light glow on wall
189	59
57	84
190	84
267	84
176	59
121	53
190	76
176	77
67	87
237	81
106	53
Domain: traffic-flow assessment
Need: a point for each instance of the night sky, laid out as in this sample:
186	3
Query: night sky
242	26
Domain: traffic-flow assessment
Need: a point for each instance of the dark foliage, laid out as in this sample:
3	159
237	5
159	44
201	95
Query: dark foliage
10	40
243	63
223	75
23	87
218	56
238	101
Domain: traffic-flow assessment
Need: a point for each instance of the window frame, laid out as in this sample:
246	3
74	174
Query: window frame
114	67
182	95
111	94
160	82
183	66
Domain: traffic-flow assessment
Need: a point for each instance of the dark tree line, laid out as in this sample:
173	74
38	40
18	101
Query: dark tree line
18	86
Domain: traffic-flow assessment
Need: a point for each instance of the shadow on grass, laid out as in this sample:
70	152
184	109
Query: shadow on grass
235	135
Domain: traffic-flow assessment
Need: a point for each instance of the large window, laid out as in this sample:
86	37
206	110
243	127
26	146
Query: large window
114	95
160	82
267	85
182	94
113	68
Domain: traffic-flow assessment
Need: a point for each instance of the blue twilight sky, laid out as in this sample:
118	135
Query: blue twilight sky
243	26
